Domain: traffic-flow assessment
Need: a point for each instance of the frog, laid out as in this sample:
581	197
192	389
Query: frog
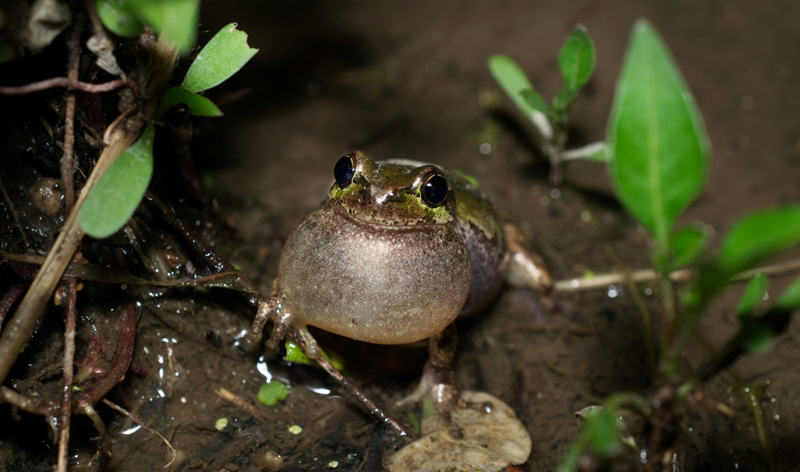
398	250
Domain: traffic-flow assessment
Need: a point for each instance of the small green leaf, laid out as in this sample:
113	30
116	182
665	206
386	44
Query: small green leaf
117	194
513	81
562	102
270	393
756	337
120	17
753	294
688	243
577	59
759	236
656	136
603	431
294	353
535	101
790	298
223	56
175	20
198	105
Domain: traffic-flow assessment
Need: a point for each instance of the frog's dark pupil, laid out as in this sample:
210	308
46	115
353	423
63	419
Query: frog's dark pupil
344	170
434	190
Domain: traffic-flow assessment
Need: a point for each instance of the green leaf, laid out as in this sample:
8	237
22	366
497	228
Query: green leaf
790	298
198	105
577	59
223	56
270	393
535	100
759	236
688	243
603	431
659	147
513	81
176	20
753	294
117	194
120	17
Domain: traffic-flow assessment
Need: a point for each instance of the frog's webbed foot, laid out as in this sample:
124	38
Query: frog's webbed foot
525	268
283	323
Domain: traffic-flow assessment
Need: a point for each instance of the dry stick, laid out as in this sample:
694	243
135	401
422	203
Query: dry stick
121	137
67	170
373	409
648	275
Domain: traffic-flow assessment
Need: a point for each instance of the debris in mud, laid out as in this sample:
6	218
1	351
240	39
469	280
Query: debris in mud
490	441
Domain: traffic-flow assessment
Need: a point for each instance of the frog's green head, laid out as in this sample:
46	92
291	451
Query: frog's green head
391	193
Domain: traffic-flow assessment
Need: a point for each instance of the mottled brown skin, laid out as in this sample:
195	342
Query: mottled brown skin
377	263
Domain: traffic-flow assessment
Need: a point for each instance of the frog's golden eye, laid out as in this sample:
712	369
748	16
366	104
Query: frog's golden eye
434	189
344	170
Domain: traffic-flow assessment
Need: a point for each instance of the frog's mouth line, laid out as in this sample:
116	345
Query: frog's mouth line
373	226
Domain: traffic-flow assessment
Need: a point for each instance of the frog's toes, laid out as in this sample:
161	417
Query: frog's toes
266	311
525	268
283	323
311	347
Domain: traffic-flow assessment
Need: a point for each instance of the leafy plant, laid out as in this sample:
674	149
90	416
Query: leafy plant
658	157
576	61
119	192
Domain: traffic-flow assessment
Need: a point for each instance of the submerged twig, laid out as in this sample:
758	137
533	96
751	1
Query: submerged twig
172	452
240	402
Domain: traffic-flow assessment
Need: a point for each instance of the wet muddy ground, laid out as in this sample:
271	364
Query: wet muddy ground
409	80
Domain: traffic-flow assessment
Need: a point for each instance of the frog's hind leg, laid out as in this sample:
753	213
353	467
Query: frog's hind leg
438	379
525	268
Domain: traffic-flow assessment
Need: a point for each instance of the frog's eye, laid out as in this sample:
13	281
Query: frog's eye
434	189
344	170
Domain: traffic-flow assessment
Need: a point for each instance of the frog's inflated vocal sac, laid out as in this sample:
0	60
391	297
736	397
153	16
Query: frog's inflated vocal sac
394	254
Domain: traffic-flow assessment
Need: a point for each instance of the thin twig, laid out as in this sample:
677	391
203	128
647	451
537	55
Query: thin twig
172	452
240	402
66	384
371	407
65	82
648	275
67	159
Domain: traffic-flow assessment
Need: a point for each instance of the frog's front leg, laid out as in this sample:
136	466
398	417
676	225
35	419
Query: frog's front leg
525	268
283	322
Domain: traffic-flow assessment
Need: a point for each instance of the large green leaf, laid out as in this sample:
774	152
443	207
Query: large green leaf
577	59
688	243
656	136
759	236
223	56
117	194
